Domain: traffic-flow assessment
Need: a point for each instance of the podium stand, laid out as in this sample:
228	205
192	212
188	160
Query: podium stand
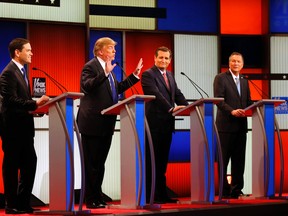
202	149
263	159
132	132
61	153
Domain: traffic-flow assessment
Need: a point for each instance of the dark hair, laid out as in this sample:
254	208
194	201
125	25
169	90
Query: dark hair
163	49
15	44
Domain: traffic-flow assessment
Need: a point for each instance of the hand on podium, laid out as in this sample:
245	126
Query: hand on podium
238	113
178	108
41	101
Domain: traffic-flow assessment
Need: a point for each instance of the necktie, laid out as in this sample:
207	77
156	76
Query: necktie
238	84
113	89
166	80
25	75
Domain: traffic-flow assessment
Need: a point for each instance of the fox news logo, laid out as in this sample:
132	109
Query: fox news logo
39	86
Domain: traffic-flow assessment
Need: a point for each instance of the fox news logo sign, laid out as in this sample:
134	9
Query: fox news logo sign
282	108
39	86
53	3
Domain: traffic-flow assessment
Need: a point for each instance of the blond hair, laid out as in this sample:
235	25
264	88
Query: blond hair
101	42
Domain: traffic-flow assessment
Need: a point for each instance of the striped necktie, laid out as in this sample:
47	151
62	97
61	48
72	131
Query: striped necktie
166	80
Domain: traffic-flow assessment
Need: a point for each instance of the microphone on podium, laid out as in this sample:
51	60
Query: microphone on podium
197	87
56	83
258	89
128	80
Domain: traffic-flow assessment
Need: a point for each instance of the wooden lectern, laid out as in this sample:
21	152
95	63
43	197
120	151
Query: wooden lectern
132	132
202	149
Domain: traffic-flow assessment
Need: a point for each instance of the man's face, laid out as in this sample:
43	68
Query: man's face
25	55
236	63
163	60
107	53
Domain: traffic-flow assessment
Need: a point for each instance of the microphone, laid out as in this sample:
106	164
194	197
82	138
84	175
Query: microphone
56	83
128	80
197	87
259	90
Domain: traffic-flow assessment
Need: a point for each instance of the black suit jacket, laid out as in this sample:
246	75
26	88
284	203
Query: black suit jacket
157	111
98	96
225	87
16	103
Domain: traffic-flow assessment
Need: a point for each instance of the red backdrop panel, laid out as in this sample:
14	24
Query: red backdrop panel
241	17
143	45
60	51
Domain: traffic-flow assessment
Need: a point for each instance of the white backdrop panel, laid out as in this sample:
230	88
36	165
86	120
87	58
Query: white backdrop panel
69	11
197	57
279	64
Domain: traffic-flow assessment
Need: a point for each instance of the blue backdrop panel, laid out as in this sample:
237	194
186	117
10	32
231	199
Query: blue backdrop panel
180	147
9	31
116	36
190	15
278	16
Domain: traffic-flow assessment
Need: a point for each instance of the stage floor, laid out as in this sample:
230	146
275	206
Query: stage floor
235	207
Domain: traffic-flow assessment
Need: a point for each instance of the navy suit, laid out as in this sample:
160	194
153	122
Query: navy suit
97	129
232	130
18	137
161	123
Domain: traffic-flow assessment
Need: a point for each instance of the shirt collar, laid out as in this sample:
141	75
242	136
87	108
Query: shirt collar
102	62
20	66
233	75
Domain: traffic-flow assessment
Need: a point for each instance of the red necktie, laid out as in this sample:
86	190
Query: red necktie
166	80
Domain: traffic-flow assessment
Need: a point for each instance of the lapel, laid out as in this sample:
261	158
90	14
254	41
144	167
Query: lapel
107	82
232	83
161	78
20	77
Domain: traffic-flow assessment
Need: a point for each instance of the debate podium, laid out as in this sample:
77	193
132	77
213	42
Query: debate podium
61	153
202	148
263	150
132	150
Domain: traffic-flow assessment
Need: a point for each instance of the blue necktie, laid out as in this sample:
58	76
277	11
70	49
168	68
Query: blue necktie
238	85
113	89
25	75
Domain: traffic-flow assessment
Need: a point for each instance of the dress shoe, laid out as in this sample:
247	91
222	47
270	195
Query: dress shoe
169	200
102	202
162	200
28	209
236	193
14	211
95	204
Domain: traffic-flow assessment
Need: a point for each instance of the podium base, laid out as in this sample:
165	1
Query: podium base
62	212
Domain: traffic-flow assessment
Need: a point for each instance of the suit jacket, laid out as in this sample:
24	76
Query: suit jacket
157	111
225	87
98	96
16	103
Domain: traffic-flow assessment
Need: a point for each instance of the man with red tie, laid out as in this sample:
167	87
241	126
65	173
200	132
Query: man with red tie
161	83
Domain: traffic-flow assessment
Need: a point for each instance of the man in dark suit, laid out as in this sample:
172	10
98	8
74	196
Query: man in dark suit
98	83
160	118
18	129
232	123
